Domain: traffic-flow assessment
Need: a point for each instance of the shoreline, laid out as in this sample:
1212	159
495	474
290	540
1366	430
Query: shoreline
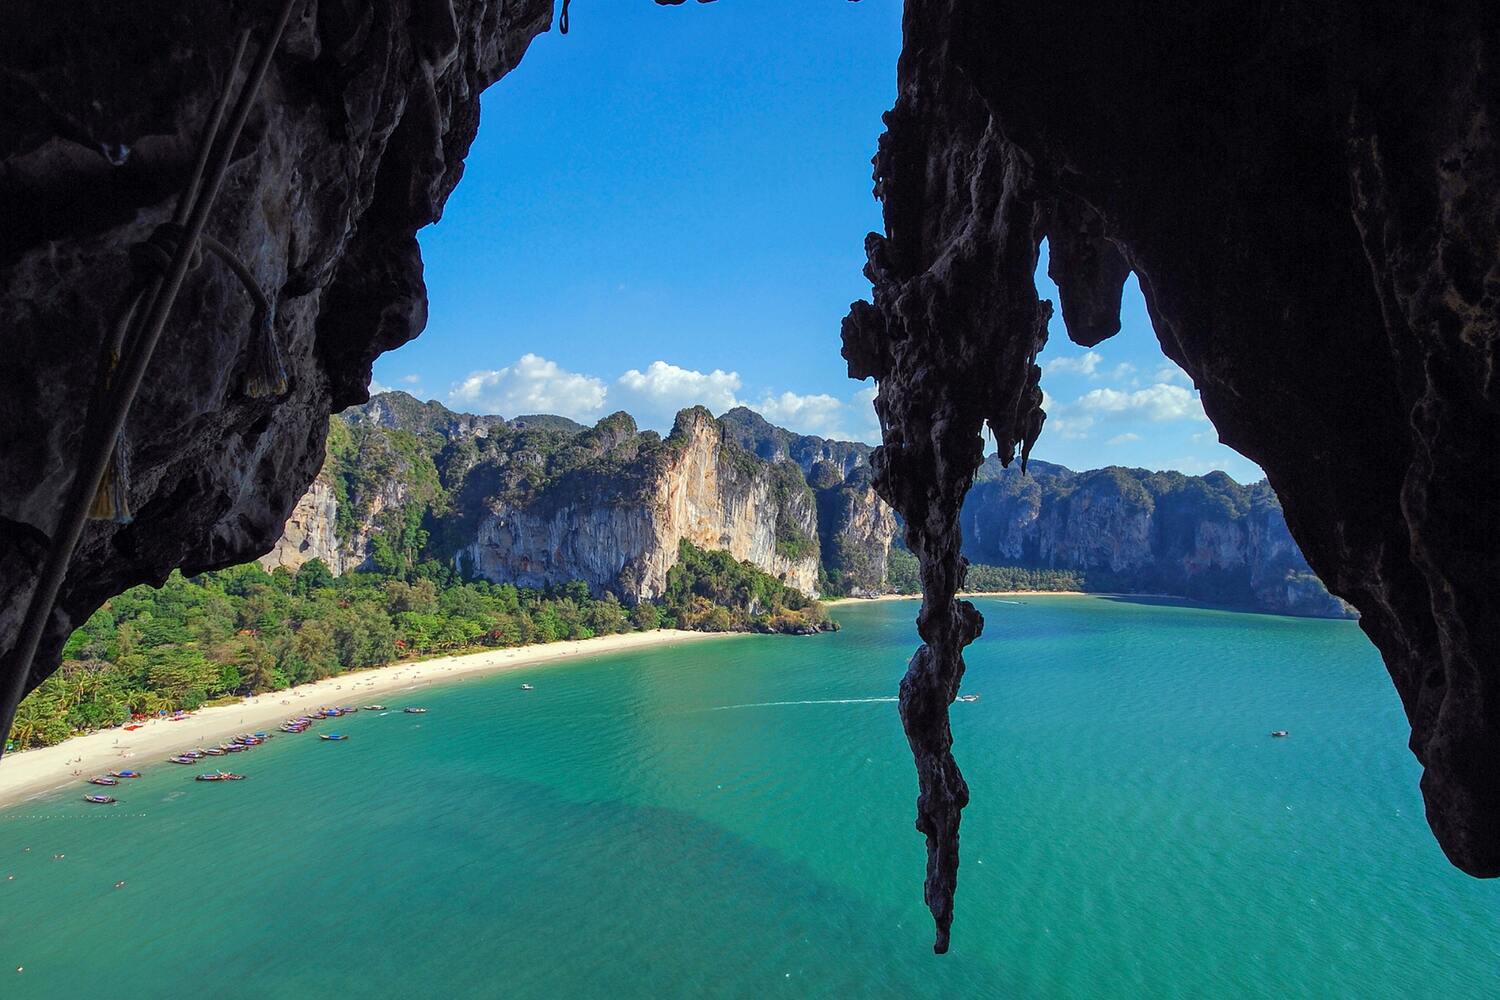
28	774
837	601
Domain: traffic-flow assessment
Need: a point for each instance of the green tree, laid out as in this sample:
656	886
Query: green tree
313	575
646	616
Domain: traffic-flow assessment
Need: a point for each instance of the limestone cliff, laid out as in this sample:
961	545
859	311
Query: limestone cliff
697	486
756	434
309	532
856	528
541	500
1206	538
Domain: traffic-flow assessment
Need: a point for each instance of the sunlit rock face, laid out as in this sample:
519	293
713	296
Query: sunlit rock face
542	501
356	141
310	533
1308	193
702	489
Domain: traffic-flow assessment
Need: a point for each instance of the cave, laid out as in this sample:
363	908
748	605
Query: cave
1308	195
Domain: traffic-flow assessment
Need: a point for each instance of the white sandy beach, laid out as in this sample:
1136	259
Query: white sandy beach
29	773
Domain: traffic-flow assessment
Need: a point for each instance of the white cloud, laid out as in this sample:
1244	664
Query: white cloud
1106	407
1156	403
867	422
1172	375
1086	365
655	395
532	385
412	379
817	413
377	387
1123	370
1072	427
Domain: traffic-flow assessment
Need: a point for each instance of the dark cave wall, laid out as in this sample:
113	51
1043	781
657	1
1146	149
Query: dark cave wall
357	139
1307	191
1309	196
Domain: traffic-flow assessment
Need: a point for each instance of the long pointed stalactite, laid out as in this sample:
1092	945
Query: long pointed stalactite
1309	195
946	365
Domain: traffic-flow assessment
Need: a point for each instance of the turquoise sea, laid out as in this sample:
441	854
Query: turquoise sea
733	818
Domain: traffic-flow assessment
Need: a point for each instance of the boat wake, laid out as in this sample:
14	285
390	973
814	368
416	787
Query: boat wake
815	701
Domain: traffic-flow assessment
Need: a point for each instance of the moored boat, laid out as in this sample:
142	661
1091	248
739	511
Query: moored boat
182	758
1278	732
103	780
374	708
414	710
221	776
124	774
101	800
968	697
214	752
333	736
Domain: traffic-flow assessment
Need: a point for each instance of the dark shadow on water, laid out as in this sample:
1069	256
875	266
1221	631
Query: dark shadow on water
599	898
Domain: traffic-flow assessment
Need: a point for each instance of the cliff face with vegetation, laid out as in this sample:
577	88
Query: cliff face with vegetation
616	521
855	526
540	501
1202	537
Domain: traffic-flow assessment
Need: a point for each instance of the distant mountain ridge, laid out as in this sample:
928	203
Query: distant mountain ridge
1202	537
541	500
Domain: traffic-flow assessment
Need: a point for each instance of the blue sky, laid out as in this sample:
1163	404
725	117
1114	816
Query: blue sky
668	205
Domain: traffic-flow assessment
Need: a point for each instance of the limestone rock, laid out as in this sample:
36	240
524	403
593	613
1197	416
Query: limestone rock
1308	194
357	138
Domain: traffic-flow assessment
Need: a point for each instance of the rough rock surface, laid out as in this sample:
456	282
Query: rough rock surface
625	540
855	527
540	500
1128	530
758	435
1309	194
357	139
310	533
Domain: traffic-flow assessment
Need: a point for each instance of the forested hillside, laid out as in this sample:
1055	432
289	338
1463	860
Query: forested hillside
244	631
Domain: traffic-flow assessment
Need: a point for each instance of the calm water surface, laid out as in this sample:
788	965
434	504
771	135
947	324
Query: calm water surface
734	818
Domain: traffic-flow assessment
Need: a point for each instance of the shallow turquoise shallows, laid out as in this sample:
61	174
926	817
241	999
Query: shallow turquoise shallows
733	818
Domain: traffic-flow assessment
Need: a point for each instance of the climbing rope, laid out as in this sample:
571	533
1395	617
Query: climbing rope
121	380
